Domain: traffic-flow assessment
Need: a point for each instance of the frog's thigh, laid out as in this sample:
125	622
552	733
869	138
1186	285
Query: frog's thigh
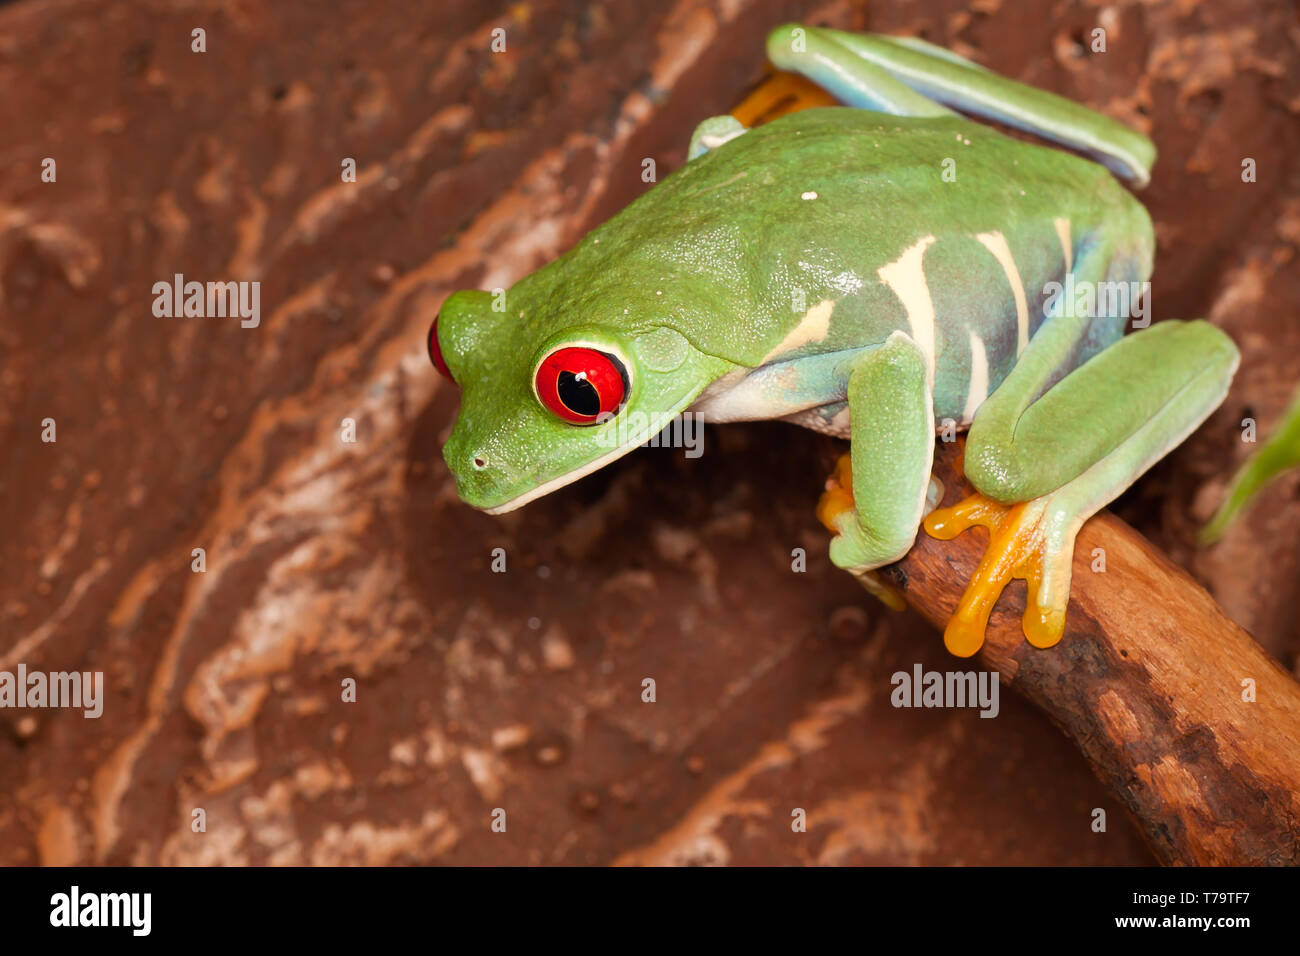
1127	406
1174	374
891	416
996	461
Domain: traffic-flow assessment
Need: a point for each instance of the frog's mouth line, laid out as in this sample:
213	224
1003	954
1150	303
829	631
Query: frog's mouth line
684	403
568	478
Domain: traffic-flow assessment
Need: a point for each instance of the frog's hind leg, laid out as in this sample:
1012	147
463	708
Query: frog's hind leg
1128	406
830	59
909	77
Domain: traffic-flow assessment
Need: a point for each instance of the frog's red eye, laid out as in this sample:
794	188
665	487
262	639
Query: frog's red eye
581	385
435	353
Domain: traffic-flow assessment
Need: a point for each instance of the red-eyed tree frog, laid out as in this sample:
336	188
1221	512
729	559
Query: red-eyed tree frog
879	271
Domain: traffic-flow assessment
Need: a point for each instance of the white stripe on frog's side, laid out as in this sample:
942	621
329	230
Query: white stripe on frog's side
1067	249
811	328
978	390
996	243
905	277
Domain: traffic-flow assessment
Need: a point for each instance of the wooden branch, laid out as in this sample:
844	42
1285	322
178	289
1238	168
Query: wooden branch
1148	681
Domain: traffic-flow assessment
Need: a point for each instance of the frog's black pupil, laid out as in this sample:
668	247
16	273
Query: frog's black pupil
578	394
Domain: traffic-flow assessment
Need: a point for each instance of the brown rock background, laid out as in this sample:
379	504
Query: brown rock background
328	560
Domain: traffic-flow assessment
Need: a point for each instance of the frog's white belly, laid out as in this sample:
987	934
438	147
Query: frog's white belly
829	419
789	390
810	391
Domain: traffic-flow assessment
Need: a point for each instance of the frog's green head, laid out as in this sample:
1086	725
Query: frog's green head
555	384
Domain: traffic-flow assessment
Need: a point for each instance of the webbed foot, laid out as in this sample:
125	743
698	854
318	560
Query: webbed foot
837	513
1033	541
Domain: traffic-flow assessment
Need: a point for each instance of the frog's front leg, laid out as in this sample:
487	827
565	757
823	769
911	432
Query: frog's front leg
1045	465
875	506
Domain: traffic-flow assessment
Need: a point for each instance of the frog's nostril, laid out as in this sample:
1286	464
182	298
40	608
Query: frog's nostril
480	462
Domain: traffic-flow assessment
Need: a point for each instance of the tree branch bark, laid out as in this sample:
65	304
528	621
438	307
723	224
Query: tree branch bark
1148	682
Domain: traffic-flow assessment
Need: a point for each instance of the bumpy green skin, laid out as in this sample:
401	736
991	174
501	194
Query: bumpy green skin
874	273
727	255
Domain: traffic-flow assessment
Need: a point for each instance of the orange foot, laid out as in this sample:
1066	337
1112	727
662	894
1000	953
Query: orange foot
838	514
837	500
1032	541
779	94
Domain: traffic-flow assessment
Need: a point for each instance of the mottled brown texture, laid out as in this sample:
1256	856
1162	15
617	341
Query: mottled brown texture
328	561
1187	718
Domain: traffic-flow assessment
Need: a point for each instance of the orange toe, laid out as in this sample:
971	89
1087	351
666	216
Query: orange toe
1016	550
779	94
838	496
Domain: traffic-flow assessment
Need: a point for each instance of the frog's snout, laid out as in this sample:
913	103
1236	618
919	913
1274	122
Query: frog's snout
479	477
473	471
